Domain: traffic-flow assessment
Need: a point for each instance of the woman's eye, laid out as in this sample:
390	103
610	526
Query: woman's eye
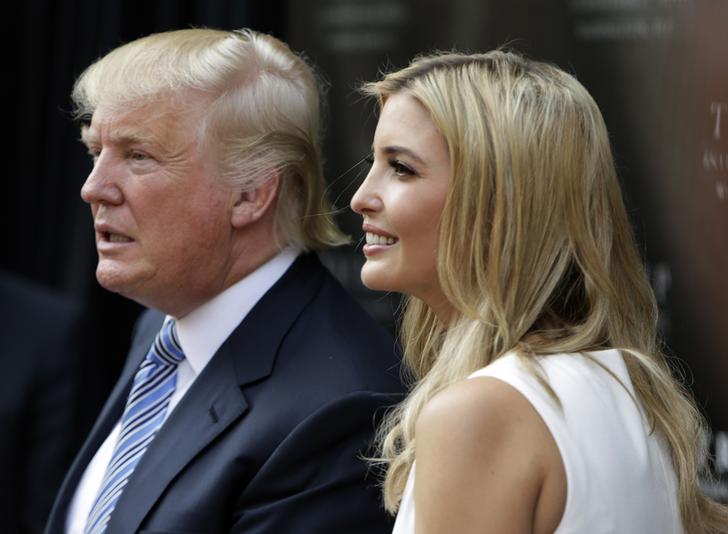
369	159
400	169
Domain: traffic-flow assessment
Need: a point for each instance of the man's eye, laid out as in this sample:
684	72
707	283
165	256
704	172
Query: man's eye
138	156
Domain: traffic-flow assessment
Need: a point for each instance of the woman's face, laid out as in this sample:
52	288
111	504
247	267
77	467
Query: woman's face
401	201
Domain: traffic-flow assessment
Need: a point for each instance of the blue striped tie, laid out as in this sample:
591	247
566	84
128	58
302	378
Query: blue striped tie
144	414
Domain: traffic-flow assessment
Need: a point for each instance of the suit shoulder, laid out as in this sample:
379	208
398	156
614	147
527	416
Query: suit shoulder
335	304
340	346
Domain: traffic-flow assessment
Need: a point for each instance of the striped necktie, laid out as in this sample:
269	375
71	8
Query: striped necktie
144	414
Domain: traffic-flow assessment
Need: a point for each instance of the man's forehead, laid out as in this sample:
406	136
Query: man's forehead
148	123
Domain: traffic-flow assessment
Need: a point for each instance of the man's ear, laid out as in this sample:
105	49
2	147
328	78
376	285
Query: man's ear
251	205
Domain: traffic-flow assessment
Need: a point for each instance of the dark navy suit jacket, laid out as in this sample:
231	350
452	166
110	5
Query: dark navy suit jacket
268	438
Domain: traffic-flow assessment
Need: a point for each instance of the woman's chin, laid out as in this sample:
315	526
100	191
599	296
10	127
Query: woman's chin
373	277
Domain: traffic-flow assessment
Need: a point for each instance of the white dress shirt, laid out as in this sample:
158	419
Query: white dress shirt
201	333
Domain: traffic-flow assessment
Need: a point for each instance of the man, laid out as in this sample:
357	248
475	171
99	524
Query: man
248	407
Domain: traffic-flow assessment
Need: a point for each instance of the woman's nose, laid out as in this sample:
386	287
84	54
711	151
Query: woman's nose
366	199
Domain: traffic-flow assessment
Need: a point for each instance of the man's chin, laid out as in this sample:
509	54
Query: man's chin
117	280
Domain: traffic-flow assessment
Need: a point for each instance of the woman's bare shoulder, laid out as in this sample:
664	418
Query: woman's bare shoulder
483	454
474	408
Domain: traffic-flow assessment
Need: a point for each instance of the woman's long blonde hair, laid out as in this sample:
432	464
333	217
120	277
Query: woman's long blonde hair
536	253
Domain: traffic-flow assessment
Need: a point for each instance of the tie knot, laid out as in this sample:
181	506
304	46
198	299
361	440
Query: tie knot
166	345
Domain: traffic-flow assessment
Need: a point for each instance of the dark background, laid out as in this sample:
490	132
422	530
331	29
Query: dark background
657	68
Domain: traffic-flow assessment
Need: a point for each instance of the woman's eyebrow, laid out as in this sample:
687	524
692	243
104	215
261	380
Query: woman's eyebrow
394	149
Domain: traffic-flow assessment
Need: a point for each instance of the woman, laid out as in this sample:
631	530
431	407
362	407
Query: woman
493	203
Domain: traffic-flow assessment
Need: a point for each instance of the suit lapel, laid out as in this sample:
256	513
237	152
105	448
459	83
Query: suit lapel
211	404
216	399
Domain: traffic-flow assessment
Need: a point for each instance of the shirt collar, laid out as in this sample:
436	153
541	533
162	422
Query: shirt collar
202	331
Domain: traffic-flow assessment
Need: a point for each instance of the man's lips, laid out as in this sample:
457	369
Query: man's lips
107	234
116	238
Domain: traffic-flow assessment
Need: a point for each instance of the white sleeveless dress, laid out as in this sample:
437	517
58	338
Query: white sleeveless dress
619	476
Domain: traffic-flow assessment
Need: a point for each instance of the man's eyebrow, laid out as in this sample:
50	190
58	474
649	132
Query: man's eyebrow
120	135
393	149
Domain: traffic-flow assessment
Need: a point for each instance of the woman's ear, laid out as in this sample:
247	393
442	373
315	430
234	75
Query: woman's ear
253	204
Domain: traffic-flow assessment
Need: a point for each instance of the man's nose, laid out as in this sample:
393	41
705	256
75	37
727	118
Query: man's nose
101	186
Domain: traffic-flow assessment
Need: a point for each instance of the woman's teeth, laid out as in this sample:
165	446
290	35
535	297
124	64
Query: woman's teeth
376	239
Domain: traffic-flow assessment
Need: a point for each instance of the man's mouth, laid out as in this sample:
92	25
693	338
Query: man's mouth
115	238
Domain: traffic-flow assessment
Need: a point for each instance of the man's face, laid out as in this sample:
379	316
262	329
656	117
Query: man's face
162	220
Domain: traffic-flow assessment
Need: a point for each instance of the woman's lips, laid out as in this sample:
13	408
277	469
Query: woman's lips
377	241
